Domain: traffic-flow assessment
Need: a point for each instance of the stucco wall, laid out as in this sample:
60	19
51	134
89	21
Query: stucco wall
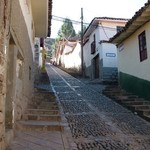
129	58
109	53
73	59
105	50
22	38
4	30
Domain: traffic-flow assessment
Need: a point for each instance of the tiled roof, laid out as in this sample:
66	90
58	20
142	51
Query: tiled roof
95	22
110	18
49	17
140	18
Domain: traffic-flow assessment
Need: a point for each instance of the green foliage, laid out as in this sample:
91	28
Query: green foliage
50	45
66	30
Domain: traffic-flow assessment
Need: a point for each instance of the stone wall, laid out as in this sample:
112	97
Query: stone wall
21	36
4	30
16	65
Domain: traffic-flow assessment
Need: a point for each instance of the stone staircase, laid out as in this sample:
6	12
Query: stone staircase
136	104
42	114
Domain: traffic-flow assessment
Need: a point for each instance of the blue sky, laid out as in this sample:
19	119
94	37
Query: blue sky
94	8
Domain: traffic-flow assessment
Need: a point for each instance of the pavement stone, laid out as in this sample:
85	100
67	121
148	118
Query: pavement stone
97	122
93	121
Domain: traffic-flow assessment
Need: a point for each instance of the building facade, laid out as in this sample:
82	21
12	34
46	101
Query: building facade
100	56
18	28
134	53
70	57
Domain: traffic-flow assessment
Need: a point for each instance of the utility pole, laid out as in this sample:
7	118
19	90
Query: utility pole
82	65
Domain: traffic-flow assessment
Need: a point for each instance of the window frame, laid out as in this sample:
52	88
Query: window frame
142	46
93	45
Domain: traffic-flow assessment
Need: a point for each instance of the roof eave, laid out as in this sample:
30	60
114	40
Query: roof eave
138	20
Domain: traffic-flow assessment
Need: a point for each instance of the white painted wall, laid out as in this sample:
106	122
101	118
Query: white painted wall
73	59
87	54
87	47
129	58
107	32
104	31
109	55
26	10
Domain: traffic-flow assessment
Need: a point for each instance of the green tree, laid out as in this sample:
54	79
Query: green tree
66	30
49	44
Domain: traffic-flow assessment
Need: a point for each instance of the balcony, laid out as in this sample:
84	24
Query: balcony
41	10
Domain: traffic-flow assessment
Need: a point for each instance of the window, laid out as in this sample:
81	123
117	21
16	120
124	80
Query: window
93	45
142	46
29	73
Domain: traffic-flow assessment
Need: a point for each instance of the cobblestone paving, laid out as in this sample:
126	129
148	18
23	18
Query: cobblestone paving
95	121
72	107
88	125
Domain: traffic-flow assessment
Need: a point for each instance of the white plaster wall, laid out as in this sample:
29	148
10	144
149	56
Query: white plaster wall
106	32
129	58
73	60
109	55
26	10
97	37
87	54
21	34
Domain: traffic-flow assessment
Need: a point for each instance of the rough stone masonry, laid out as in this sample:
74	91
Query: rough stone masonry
4	23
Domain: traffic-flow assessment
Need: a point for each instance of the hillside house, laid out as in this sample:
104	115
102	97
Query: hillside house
134	53
100	56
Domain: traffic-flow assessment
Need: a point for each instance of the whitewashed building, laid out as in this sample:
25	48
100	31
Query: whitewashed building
100	56
69	55
134	53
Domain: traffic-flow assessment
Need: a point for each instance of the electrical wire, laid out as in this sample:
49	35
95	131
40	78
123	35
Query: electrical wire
57	18
104	28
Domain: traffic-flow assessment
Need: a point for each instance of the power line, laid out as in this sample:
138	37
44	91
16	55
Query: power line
57	18
104	28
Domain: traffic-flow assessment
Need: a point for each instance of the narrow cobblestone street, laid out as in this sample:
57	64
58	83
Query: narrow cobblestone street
89	120
97	122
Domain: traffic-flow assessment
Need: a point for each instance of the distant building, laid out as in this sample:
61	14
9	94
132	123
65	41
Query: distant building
134	53
69	54
100	56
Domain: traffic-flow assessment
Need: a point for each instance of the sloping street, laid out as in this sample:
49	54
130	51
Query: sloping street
96	122
89	120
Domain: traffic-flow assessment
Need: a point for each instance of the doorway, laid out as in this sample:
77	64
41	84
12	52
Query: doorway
96	66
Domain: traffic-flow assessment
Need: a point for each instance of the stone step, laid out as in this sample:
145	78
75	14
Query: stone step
137	107
145	112
50	104
127	99
32	125
43	117
44	97
39	99
136	102
116	94
42	111
47	105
